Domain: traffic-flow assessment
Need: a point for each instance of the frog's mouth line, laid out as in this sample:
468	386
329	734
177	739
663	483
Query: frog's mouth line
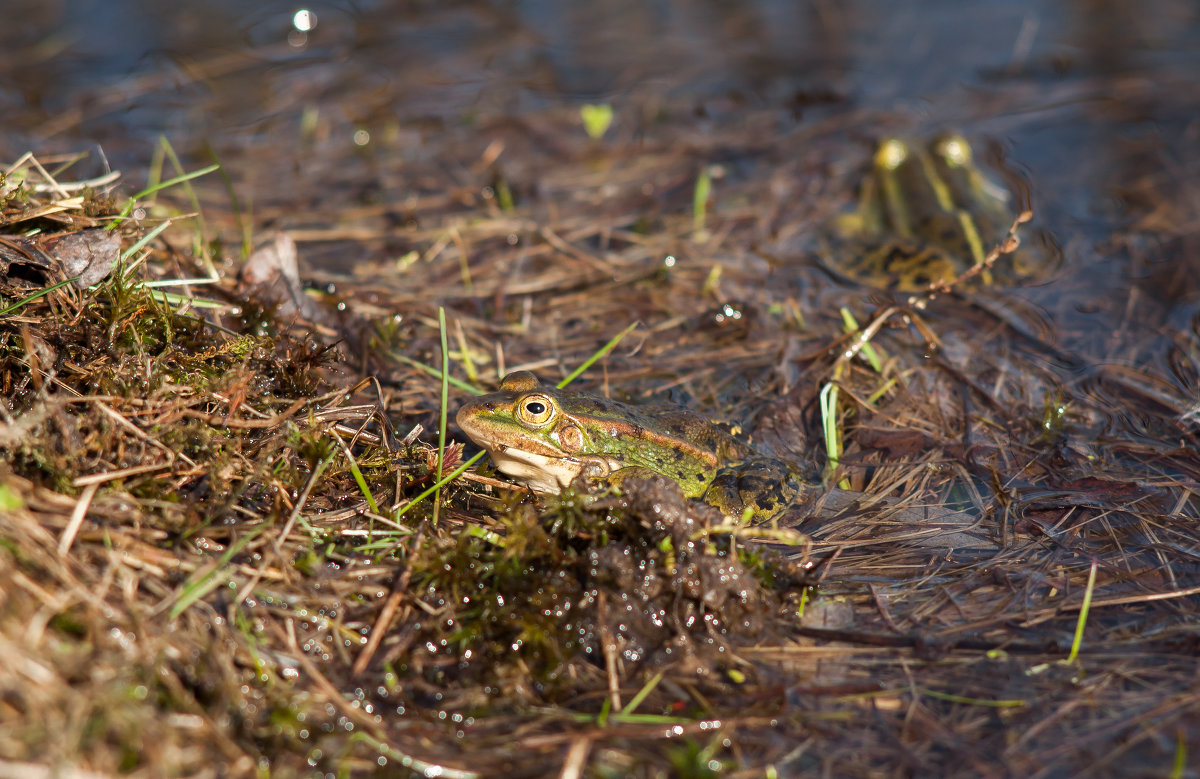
545	473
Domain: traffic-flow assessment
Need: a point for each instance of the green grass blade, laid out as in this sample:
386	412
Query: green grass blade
459	471
359	479
608	347
145	239
596	119
203	582
435	373
150	190
996	703
827	399
201	246
464	353
828	403
700	196
437	493
157	283
647	688
868	351
241	215
411	765
171	299
26	301
157	160
195	174
1179	769
1083	613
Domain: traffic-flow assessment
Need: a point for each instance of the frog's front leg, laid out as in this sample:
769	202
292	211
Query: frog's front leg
764	485
618	477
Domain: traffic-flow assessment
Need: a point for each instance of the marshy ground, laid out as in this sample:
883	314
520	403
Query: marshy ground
223	549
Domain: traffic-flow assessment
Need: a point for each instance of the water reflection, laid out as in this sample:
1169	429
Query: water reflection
1089	100
459	56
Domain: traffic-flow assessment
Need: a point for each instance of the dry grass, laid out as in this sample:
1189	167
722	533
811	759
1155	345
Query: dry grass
212	562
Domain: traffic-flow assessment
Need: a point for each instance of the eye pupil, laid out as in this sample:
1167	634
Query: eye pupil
535	407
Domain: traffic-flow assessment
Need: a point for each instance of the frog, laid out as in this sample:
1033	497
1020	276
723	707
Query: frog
927	213
549	438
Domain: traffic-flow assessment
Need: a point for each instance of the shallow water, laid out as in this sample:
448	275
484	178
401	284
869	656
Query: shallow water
1090	102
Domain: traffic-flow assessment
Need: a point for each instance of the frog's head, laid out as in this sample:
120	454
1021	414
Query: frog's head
537	434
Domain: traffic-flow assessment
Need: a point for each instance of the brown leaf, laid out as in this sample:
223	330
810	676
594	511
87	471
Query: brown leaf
87	256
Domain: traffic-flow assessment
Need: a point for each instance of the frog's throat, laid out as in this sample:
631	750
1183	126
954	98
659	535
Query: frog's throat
548	474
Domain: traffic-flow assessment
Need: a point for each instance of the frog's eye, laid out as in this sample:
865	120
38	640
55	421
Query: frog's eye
535	410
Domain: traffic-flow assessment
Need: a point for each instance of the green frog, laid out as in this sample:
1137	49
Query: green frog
547	438
926	213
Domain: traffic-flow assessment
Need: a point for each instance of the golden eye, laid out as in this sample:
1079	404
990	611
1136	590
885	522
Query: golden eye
535	410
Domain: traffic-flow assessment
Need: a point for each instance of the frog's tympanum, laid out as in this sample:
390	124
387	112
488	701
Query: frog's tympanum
547	437
925	215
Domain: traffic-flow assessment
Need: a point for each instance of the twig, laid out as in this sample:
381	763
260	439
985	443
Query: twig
81	507
576	758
